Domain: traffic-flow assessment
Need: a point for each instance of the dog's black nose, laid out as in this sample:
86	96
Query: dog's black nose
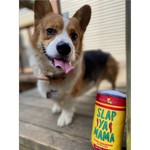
63	48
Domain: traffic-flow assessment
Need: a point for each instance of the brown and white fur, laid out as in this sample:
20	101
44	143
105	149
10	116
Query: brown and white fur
73	84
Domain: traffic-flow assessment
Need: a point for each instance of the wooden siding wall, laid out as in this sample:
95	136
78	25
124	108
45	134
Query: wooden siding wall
106	30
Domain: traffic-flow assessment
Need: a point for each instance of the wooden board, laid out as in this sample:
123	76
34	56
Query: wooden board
39	138
43	117
22	147
84	105
38	124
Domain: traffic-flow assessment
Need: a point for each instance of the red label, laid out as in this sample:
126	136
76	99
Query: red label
111	108
110	100
99	148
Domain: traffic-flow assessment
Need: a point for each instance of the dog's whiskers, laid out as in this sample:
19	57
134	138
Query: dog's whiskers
77	51
44	51
77	55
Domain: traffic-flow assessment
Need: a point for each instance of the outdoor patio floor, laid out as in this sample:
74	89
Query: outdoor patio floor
38	126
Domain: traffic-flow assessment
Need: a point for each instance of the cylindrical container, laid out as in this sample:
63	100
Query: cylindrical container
109	120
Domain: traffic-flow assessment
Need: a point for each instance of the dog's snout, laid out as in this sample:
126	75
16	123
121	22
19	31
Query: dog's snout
63	48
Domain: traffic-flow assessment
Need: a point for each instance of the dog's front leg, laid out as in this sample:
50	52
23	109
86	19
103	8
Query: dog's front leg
43	87
56	107
67	111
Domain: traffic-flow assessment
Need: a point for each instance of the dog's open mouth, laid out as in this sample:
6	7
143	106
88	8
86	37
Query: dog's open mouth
63	64
59	63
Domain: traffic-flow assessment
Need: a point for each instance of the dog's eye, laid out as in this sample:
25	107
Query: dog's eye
51	31
73	36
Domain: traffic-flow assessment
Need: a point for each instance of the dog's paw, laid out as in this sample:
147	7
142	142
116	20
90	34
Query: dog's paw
65	118
56	108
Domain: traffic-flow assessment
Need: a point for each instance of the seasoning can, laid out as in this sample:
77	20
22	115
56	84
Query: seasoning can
109	120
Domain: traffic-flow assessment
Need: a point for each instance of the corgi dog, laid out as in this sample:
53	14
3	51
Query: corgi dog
57	59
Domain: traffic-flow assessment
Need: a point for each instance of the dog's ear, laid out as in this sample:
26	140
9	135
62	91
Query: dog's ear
83	15
41	8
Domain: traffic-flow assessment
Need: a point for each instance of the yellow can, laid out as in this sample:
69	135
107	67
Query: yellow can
109	120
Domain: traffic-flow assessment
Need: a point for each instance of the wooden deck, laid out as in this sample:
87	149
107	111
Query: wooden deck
38	126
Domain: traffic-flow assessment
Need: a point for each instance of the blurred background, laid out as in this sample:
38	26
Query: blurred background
106	31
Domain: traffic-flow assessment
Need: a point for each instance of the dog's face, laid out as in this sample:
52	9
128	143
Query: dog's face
57	40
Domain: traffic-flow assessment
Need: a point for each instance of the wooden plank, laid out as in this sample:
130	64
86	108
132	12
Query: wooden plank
43	117
36	110
80	108
38	138
81	126
22	147
31	93
124	138
84	105
38	101
56	6
128	57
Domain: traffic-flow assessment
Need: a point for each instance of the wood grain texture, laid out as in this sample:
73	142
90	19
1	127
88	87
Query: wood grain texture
38	124
22	147
128	58
84	106
39	138
81	125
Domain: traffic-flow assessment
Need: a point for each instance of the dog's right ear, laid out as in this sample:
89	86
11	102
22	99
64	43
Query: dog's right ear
41	8
83	15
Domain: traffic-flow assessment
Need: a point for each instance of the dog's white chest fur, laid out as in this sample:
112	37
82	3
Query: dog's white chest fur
63	87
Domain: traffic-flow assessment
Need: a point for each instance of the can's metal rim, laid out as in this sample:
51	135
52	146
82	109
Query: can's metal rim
112	93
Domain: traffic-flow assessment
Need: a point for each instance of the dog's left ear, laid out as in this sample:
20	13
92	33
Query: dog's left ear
83	15
41	8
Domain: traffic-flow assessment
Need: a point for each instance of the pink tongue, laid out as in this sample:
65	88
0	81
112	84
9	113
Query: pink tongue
63	64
